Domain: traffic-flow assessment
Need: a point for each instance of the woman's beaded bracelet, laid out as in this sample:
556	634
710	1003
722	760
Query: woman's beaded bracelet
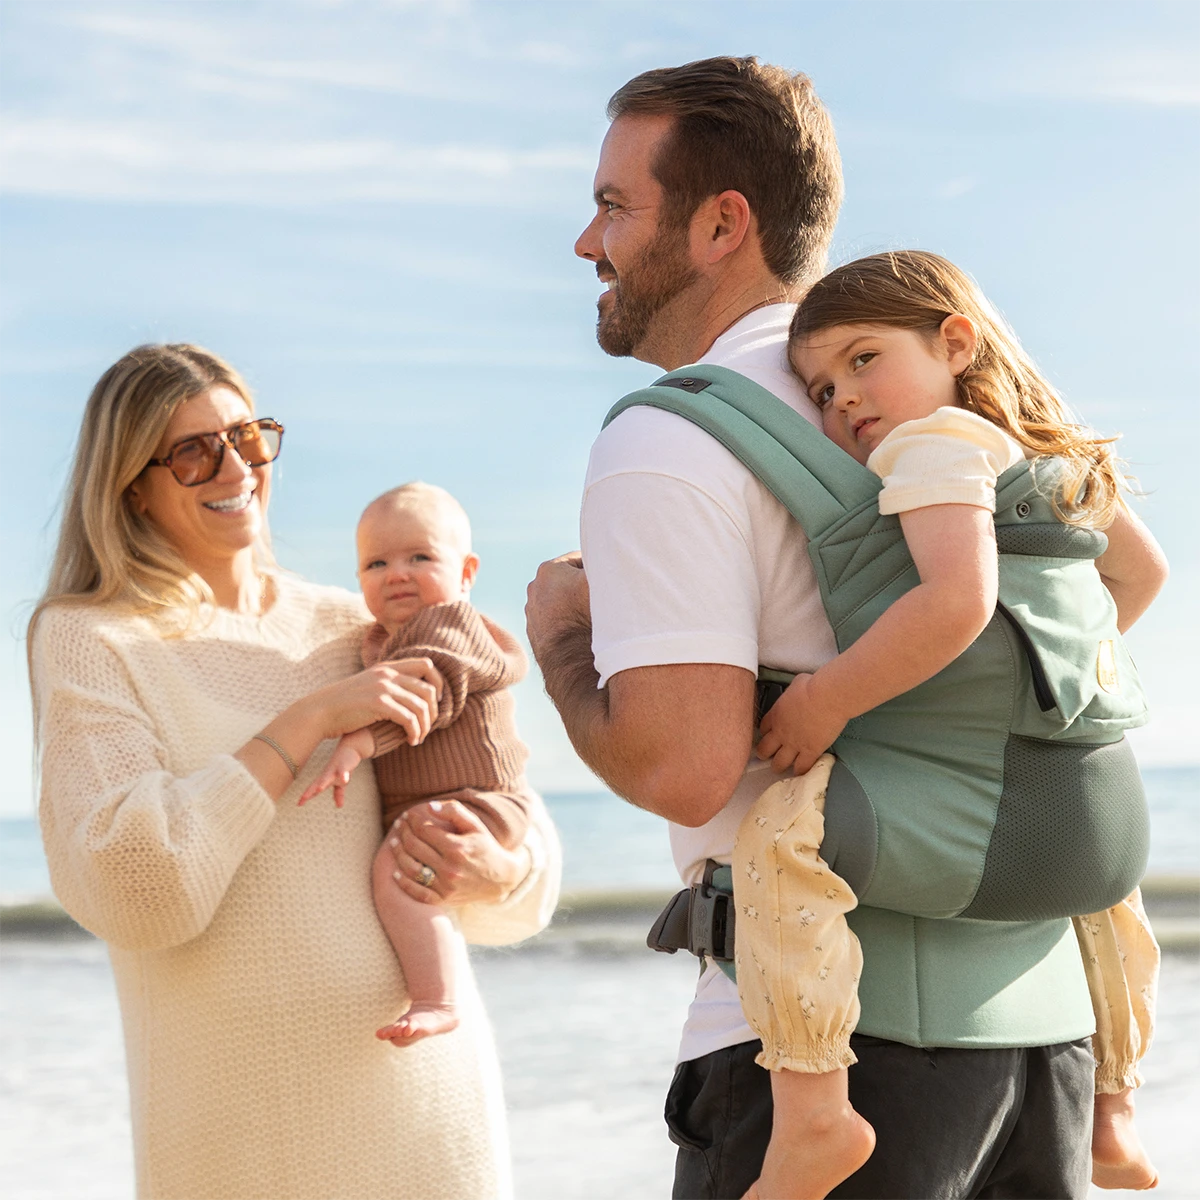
288	760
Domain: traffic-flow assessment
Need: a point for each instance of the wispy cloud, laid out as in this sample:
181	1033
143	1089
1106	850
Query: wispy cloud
952	189
1162	76
141	161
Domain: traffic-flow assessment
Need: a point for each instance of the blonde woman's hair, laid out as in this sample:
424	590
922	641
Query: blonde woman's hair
108	552
913	289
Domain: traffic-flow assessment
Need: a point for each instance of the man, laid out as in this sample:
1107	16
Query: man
717	192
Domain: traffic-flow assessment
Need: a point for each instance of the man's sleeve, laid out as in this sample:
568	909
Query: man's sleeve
671	573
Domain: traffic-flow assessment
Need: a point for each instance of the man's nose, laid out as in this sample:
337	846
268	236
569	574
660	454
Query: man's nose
590	243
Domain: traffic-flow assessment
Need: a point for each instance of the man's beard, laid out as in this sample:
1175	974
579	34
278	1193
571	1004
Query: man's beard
644	288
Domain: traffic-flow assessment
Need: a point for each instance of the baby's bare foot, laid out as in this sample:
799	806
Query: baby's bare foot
1118	1158
421	1021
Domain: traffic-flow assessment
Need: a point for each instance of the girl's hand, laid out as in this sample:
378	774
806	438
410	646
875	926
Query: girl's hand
798	728
469	866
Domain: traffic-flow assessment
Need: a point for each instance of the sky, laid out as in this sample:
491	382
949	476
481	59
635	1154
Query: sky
369	208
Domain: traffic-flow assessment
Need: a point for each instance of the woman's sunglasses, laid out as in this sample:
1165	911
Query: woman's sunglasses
197	459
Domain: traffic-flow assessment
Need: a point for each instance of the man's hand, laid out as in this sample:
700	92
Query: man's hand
642	731
798	728
558	600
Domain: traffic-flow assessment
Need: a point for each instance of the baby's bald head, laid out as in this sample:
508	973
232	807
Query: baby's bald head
433	506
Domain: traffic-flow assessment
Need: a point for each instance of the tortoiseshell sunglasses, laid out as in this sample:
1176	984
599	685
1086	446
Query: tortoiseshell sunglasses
197	459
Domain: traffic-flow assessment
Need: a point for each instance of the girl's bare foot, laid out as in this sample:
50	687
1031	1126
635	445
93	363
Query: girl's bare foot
817	1139
1119	1159
421	1021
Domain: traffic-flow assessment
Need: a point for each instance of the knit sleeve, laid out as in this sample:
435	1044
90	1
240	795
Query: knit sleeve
138	854
529	907
472	653
950	457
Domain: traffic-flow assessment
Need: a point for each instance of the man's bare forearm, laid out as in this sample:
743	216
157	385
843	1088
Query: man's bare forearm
570	676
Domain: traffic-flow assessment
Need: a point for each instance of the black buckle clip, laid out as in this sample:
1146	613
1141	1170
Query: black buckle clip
700	919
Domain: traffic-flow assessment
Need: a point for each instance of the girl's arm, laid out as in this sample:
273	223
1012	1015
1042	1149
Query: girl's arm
954	549
1133	568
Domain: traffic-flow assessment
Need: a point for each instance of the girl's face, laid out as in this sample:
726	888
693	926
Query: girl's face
867	379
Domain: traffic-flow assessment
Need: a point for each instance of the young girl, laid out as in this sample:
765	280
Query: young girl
918	378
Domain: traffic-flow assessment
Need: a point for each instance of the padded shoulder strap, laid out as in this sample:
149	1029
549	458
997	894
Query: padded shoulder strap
816	481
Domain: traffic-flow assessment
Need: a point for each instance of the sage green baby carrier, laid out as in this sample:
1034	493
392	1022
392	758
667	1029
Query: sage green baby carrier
1001	792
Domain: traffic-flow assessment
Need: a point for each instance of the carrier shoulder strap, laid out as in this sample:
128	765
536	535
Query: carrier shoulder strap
817	482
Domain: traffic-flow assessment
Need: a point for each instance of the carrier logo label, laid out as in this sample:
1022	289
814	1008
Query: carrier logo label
1106	668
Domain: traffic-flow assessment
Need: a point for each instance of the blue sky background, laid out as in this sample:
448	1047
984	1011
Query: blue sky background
369	208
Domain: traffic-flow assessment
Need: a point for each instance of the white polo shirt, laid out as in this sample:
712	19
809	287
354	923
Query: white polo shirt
690	559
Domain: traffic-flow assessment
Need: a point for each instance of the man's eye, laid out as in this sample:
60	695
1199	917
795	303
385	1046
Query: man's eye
861	360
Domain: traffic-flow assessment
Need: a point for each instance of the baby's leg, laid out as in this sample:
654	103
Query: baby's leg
1120	958
424	940
798	966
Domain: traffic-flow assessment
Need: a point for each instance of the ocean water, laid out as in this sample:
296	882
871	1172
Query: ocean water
610	846
585	1090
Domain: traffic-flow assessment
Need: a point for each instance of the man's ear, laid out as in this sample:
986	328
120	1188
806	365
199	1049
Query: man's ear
721	225
959	339
469	571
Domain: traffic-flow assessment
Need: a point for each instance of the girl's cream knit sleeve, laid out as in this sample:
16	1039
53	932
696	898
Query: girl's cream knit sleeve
139	854
528	909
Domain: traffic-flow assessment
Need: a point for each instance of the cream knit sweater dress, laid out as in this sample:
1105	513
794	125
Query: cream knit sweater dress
251	969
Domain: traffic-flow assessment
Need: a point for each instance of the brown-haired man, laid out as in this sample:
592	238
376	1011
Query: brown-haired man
716	194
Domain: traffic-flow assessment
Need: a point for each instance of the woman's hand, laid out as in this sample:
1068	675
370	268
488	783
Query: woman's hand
405	691
468	865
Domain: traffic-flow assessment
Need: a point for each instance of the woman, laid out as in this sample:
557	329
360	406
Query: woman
183	686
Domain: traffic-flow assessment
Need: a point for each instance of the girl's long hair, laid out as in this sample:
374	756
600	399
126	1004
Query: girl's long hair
108	552
913	289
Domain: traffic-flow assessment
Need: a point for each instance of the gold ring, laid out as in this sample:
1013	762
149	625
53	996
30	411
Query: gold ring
426	875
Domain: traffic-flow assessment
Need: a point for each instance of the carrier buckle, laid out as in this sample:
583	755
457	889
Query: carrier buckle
699	919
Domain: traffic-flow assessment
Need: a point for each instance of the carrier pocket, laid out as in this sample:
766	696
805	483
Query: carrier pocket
1082	684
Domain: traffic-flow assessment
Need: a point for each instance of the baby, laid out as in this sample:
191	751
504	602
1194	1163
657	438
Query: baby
416	568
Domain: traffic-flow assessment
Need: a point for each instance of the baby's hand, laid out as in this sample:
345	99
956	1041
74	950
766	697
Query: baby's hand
798	729
350	751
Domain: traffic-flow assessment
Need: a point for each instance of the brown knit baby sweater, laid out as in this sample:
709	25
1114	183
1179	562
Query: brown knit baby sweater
472	753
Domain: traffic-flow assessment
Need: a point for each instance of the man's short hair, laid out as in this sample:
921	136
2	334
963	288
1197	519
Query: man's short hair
753	128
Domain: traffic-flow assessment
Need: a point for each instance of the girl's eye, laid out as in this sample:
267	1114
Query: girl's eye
824	396
861	360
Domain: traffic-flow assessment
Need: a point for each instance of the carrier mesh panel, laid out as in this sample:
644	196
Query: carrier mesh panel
1050	541
851	840
1072	832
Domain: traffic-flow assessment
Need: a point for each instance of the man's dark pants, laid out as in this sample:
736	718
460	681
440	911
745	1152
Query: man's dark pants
950	1124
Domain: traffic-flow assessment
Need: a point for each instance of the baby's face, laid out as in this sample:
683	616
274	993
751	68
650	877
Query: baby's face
867	379
410	558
